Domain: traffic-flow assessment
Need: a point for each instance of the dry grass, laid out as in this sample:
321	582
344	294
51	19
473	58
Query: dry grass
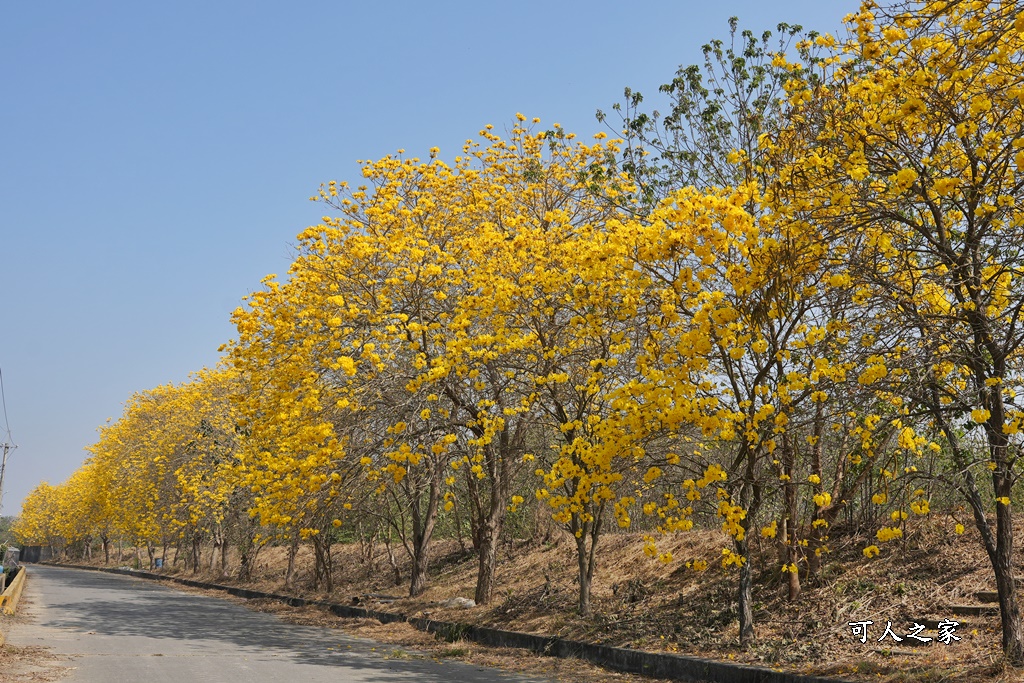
30	664
418	643
643	604
27	664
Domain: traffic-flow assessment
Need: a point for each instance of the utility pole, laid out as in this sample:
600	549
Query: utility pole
8	447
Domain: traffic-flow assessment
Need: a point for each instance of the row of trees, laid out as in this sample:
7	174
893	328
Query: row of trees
794	296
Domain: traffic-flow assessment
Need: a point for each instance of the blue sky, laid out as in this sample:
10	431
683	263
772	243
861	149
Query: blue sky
157	158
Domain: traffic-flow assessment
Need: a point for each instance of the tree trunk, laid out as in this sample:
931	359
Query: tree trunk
458	524
745	598
485	569
105	540
324	570
392	560
196	554
293	550
490	533
1000	547
476	512
586	558
585	580
423	522
418	581
793	557
790	523
1002	560
366	545
587	534
245	567
216	542
1009	610
248	561
750	499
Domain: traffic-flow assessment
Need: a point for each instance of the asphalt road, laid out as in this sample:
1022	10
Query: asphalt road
111	628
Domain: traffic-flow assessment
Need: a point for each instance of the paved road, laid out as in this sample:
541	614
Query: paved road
118	628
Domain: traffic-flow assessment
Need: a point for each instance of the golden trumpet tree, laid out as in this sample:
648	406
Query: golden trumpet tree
63	517
327	352
167	468
95	500
431	274
748	343
39	516
134	472
582	300
293	357
910	151
804	348
201	432
82	510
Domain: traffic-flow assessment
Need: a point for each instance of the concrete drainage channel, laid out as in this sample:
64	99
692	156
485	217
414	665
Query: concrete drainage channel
657	665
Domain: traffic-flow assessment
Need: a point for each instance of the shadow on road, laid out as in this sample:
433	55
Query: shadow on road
112	605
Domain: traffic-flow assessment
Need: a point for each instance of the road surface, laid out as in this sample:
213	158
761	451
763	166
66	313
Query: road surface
109	628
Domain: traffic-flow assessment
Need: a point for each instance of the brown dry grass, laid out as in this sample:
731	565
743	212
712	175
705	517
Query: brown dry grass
643	604
27	664
30	664
414	642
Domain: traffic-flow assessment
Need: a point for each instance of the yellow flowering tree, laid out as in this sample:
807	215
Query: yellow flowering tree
581	300
436	268
911	152
342	348
293	357
752	345
135	472
765	263
165	471
200	425
39	516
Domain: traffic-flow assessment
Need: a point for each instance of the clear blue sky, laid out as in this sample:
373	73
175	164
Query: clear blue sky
157	158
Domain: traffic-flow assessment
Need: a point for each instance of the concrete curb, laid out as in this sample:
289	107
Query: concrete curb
12	594
655	664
